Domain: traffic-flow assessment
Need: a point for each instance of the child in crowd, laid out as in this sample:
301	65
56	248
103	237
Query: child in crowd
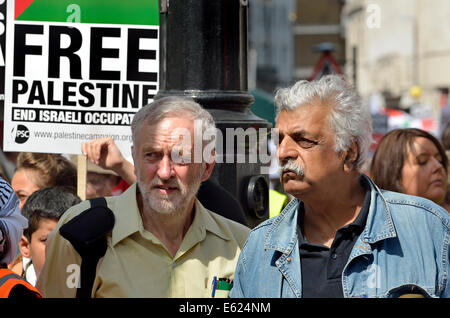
12	223
42	209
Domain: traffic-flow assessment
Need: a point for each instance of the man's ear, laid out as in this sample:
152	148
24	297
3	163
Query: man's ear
351	156
208	170
24	247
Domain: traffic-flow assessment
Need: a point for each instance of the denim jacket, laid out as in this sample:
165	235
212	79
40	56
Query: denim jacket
404	248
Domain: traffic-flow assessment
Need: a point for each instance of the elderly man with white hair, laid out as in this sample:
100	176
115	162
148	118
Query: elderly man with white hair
164	242
342	236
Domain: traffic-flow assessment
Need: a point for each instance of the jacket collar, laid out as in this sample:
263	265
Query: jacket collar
129	221
379	224
282	233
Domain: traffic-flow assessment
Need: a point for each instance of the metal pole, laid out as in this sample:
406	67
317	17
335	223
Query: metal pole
203	55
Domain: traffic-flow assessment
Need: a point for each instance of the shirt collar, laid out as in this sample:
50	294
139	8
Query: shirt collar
203	222
129	221
208	221
358	224
126	213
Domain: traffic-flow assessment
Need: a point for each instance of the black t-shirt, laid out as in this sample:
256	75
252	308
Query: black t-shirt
321	266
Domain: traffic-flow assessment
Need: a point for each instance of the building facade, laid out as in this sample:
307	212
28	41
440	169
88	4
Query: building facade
397	55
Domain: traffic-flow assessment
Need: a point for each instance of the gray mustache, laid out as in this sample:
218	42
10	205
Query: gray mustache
291	166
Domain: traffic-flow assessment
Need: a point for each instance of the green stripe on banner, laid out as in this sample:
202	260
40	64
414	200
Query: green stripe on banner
141	12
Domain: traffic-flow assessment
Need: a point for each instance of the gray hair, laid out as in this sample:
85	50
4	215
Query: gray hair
349	118
172	106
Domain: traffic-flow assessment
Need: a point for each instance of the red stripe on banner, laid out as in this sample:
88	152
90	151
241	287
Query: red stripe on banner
21	6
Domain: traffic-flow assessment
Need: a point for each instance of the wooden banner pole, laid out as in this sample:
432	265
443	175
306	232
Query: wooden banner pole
81	177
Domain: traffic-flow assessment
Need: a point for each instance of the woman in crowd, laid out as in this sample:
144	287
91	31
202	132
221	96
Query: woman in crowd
35	171
411	161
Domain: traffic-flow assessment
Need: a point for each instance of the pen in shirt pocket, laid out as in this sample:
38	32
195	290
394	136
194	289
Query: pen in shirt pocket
214	286
224	284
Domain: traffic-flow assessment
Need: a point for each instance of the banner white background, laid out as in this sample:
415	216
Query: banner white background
55	115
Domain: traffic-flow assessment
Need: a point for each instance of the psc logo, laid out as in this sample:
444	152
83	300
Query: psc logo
20	134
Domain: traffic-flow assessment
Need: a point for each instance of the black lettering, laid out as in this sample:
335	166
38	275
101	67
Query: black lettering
128	96
50	92
20	47
135	54
83	92
146	96
36	93
55	52
103	93
116	91
68	93
18	87
98	53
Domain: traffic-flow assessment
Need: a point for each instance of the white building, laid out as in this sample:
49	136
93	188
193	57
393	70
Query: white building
394	45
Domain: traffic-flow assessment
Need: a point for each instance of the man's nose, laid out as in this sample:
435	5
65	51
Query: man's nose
286	150
165	169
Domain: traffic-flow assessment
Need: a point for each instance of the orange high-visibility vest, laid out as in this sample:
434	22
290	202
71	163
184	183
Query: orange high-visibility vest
8	280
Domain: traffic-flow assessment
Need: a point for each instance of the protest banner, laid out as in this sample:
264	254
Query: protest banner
76	70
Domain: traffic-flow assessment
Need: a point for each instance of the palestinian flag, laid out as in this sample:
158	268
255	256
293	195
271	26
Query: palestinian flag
137	12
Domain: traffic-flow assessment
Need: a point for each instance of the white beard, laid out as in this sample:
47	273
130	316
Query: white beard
173	203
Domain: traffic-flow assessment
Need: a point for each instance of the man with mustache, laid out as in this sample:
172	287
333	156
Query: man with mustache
341	236
164	242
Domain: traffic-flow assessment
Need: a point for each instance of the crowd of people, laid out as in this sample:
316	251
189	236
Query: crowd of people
160	227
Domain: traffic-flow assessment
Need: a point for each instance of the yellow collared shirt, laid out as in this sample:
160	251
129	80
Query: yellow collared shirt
137	264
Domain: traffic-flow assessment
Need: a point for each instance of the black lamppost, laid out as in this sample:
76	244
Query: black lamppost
203	55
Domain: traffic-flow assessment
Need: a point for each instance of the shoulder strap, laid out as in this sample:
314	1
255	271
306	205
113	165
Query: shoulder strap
87	234
9	280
